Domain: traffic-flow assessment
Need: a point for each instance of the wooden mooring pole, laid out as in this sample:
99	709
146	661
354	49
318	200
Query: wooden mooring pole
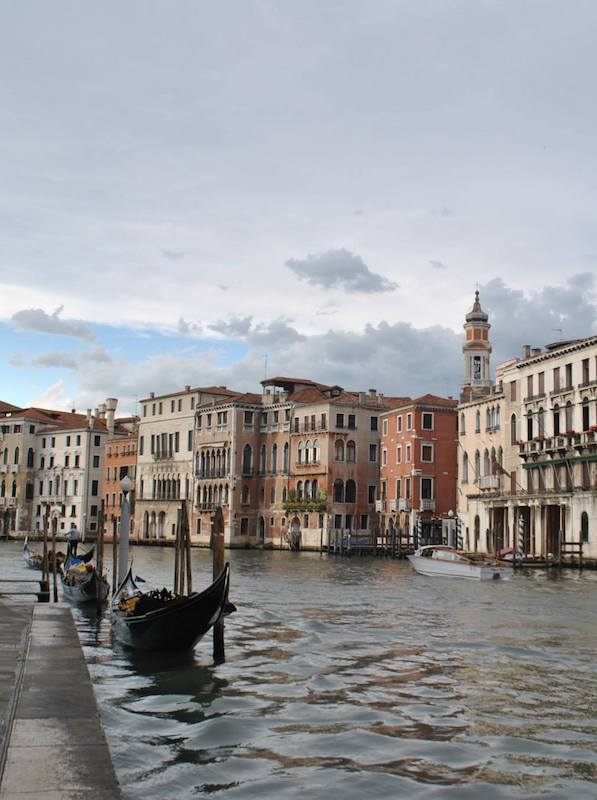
114	554
217	544
100	554
54	571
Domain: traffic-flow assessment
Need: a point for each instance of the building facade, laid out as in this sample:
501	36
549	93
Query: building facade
120	460
418	471
528	454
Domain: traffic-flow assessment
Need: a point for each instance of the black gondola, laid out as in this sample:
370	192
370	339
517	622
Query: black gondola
173	624
34	560
82	586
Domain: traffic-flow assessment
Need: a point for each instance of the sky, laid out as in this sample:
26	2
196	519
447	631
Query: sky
205	193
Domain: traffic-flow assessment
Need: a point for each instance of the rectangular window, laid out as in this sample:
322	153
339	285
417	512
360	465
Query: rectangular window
409	422
176	442
568	380
42	462
189	440
373	452
96	462
43	441
530	386
51	464
585	370
296	424
248	423
68	441
192	403
305	423
73	511
427	453
337	521
364	522
407	488
172	406
144	410
141	444
208	419
305	520
426	488
399	424
97	440
541	383
78	439
32	429
93	511
94	488
427	423
384	457
398	487
339	420
75	488
372	493
244	526
179	404
399	454
53	441
323	422
374	424
77	461
199	420
407	453
384	427
512	390
160	411
352	421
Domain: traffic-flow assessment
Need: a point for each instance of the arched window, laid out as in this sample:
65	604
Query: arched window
301	453
486	470
513	432
308	446
488	419
299	490
498	421
286	457
339	450
16	461
556	420
584	527
244	494
30	458
247	459
275	458
462	425
3	489
272	495
500	457
492	461
284	494
477	531
351	451
5	456
307	490
586	424
14	489
314	492
478	422
540	423
338	491
262	459
351	491
530	425
226	495
569	417
477	465
464	478
316	451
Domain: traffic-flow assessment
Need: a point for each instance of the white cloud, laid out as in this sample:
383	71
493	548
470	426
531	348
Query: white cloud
36	319
54	360
53	397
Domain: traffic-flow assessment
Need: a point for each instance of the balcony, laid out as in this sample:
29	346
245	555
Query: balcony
427	504
489	482
3	468
8	502
404	504
586	383
562	390
532	397
163	455
204	474
379	506
393	505
14	468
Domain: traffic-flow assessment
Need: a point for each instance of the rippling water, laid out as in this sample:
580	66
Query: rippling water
357	678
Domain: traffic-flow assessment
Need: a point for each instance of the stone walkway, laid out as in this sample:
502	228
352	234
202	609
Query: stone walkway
56	749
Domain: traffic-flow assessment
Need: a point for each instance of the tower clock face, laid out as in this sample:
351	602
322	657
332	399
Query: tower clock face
476	368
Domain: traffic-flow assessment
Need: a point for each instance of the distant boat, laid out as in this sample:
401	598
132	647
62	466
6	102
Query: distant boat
34	559
447	562
81	582
161	621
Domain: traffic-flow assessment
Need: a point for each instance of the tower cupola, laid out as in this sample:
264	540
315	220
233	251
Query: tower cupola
477	352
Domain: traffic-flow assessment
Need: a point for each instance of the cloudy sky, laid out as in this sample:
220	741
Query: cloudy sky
187	186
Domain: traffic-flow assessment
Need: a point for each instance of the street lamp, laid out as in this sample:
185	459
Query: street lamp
125	514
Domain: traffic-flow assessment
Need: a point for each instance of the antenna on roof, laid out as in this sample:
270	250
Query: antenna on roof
264	357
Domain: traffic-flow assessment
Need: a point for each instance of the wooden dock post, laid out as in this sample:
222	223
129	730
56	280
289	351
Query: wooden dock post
99	559
45	566
217	544
177	570
186	531
115	583
54	572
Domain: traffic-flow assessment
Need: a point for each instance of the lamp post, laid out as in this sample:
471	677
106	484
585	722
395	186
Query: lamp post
125	513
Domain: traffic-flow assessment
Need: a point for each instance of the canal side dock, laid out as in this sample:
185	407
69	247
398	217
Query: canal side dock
52	744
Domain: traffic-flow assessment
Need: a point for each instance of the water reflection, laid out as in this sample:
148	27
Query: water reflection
357	678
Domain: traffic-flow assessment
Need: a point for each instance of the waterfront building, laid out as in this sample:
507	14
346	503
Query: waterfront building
290	465
52	460
165	457
120	460
528	452
418	470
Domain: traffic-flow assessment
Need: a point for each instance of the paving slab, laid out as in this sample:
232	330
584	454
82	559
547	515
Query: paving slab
57	747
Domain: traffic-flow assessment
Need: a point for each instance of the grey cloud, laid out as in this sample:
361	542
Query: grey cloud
442	212
339	269
174	255
36	319
437	265
16	360
97	355
188	328
276	334
236	327
53	360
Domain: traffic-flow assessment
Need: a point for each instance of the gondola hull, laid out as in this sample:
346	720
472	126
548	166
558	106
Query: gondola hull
177	626
92	590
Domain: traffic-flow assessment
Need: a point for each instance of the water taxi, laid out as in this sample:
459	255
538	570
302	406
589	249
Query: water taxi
445	561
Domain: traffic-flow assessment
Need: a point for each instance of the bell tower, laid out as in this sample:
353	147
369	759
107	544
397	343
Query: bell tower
477	352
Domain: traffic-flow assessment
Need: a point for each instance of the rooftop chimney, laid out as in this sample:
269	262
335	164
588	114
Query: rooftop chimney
372	393
526	351
110	405
380	400
536	351
187	388
89	420
151	395
362	398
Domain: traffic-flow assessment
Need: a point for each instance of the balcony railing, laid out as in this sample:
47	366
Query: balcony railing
203	474
532	397
404	504
561	390
585	384
380	506
427	504
163	455
489	482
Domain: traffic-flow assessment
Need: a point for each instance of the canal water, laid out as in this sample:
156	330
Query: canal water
356	678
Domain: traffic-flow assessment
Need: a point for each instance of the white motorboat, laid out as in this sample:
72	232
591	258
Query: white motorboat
448	562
